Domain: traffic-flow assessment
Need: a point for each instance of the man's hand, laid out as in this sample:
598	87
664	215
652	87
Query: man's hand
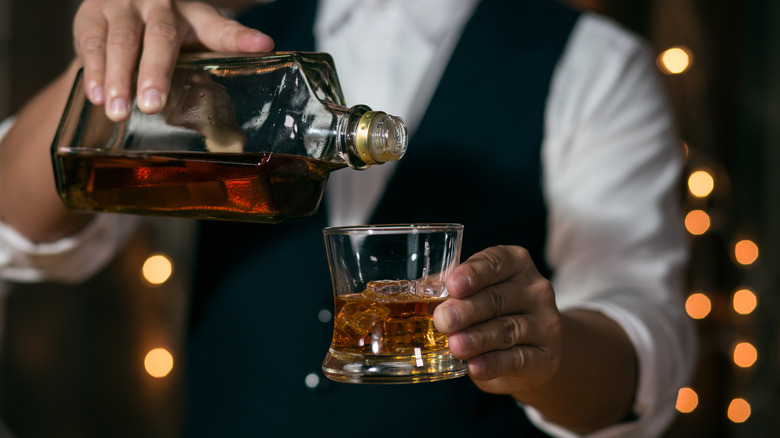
114	37
502	318
578	368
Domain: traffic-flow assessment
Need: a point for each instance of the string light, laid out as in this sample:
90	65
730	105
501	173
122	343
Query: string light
675	60
746	252
697	222
687	400
701	183
698	305
744	301
739	410
157	269
158	362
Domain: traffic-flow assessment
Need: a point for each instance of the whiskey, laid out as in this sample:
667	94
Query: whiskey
257	187
386	324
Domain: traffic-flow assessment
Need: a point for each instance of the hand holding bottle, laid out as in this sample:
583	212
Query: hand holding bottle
113	38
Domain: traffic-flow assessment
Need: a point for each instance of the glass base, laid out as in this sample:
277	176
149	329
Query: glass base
392	369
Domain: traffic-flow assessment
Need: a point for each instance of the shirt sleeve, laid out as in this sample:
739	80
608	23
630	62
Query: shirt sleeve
71	259
611	165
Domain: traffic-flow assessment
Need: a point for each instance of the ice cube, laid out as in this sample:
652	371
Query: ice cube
357	318
430	288
389	287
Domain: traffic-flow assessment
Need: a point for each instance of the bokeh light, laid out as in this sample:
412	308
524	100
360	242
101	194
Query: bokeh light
744	301
157	269
746	252
739	410
158	362
745	354
701	183
697	222
698	305
675	60
687	400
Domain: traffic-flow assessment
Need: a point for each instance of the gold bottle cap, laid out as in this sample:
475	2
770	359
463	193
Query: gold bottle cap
380	137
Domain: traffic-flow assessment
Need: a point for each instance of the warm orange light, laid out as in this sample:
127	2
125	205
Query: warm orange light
675	60
746	252
157	269
698	305
687	400
744	301
739	410
745	354
158	362
701	183
697	222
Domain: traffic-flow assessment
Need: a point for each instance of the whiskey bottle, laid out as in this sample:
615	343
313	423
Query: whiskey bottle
249	138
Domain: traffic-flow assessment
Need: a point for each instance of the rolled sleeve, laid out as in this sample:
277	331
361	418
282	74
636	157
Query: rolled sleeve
612	163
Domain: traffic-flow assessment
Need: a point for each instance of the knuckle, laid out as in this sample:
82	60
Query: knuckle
512	331
123	38
92	45
496	300
493	260
163	30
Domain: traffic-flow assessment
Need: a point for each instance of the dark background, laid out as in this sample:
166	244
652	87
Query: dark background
71	358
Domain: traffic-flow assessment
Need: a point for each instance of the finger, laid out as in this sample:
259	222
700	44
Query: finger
530	363
219	33
486	267
89	31
539	329
515	296
162	40
122	48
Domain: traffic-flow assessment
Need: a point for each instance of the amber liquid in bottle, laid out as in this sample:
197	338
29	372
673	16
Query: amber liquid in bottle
262	187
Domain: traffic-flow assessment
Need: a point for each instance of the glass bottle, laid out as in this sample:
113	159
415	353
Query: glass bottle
251	138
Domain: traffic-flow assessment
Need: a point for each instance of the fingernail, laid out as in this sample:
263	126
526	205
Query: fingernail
477	366
451	317
151	100
459	282
465	340
96	95
119	108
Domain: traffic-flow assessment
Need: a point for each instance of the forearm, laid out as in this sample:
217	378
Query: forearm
28	198
597	377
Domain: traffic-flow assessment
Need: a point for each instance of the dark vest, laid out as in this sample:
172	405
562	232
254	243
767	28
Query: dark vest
255	333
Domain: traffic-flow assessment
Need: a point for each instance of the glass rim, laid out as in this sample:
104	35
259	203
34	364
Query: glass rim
409	228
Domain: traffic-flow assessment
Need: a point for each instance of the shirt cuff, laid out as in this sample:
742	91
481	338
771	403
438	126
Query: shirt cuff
71	259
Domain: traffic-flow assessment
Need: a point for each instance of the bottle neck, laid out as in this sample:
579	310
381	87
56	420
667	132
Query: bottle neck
369	137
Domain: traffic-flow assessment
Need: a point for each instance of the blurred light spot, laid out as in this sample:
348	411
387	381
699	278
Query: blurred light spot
701	183
687	400
324	315
157	269
158	362
745	354
739	410
675	60
744	301
746	252
698	305
312	380
697	222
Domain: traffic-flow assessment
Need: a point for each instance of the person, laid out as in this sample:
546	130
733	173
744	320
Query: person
542	129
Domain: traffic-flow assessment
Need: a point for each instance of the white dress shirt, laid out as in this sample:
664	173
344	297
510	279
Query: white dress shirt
610	163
